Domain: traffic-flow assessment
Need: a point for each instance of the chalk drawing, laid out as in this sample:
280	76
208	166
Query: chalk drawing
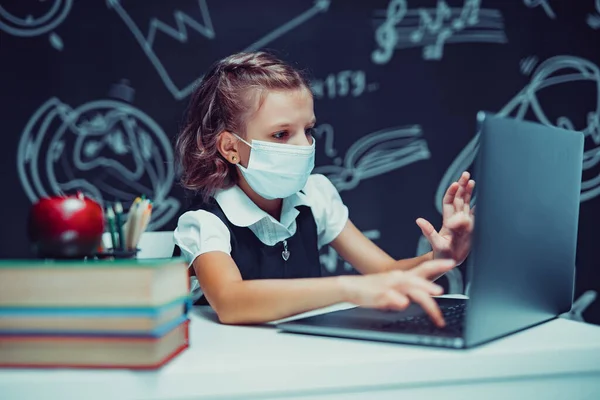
432	28
580	305
42	18
372	155
205	28
333	263
593	19
559	70
107	149
527	64
544	4
345	83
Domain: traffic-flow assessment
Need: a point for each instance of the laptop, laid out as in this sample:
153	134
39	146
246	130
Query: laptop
521	268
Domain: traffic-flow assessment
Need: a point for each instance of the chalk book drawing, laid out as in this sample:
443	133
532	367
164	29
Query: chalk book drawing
372	155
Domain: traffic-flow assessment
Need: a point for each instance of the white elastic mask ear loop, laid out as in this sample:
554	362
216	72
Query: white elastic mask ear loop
234	134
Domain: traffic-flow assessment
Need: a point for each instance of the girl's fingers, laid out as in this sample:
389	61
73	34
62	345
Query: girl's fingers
432	268
459	199
430	233
468	195
429	305
395	300
416	282
448	200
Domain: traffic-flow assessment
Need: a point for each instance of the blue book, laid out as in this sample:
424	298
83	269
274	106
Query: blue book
149	321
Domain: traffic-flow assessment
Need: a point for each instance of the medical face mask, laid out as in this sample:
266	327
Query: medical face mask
276	170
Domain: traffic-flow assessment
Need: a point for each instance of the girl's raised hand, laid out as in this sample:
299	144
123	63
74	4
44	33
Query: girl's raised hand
395	290
454	238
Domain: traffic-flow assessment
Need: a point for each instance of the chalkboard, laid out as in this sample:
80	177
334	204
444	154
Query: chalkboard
94	92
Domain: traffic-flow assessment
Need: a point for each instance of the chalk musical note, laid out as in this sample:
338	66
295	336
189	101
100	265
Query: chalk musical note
469	15
435	27
429	24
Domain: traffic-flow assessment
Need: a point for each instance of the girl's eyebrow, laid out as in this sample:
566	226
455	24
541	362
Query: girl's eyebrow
283	125
280	125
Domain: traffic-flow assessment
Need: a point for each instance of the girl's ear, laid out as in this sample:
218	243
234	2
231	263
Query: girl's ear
227	146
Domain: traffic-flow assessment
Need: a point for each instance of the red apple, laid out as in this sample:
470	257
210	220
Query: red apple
65	226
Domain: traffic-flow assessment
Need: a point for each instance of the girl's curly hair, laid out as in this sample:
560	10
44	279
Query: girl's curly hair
223	101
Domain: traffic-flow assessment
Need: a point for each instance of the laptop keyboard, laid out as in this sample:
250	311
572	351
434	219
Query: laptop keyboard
422	324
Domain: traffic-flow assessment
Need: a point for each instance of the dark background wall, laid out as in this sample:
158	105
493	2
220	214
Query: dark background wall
93	93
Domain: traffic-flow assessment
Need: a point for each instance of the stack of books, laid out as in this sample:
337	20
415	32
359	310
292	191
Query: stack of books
93	314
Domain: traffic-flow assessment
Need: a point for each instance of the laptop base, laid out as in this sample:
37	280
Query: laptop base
411	326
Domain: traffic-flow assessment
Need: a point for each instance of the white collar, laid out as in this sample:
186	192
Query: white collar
241	211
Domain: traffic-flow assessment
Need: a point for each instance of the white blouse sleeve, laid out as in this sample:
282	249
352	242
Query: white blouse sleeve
330	212
199	232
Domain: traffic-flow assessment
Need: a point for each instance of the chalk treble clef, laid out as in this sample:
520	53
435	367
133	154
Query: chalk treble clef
386	35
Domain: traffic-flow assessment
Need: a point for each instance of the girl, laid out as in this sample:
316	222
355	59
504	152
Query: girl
253	234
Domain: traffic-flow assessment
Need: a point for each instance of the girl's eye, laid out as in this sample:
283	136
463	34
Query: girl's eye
310	131
280	135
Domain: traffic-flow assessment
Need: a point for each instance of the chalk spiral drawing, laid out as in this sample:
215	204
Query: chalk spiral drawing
345	83
205	28
544	4
107	149
48	16
593	19
372	155
559	70
433	28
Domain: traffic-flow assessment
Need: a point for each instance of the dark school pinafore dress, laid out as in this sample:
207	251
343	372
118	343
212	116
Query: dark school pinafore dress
257	260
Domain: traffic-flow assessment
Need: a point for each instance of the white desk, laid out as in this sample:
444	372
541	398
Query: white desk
557	360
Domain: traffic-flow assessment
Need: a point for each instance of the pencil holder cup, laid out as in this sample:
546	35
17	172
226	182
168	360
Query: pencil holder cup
65	226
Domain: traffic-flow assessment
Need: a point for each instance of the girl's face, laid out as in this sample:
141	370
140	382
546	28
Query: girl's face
284	117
